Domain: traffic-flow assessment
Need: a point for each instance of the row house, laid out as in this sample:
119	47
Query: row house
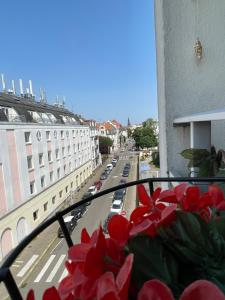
111	129
45	155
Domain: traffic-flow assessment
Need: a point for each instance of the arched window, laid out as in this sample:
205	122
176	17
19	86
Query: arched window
6	242
21	229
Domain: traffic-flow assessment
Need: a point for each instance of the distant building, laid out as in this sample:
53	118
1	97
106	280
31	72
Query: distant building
111	129
46	153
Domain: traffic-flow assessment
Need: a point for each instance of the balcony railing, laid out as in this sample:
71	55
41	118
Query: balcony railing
5	274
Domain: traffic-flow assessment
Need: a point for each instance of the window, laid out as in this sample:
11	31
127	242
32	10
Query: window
49	155
42	181
48	137
66	189
73	132
41	161
70	167
53	200
45	206
74	148
68	149
32	187
62	134
51	176
60	194
57	153
30	162
63	151
27	137
35	215
64	167
58	173
71	184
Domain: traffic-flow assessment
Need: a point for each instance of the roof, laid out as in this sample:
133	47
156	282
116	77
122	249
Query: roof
213	115
116	123
117	201
23	106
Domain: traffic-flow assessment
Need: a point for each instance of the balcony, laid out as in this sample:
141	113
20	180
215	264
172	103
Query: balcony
6	276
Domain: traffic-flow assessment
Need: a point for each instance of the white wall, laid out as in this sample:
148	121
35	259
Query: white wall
187	85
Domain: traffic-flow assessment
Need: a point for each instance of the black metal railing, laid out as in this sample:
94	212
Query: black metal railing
5	273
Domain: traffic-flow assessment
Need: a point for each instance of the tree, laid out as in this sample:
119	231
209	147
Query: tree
129	132
104	144
146	136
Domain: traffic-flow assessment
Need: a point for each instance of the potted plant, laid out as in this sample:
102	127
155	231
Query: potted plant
172	247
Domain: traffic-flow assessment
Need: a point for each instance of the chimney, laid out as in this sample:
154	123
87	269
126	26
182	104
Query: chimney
31	88
13	87
21	87
3	83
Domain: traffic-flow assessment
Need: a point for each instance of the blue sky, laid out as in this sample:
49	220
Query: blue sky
100	54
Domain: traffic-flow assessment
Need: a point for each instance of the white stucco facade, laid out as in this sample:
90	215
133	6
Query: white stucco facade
186	84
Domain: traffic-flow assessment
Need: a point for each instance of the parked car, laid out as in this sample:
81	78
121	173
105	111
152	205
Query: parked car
113	163
98	184
127	165
119	195
109	167
123	181
107	171
105	224
117	206
125	173
103	176
78	212
92	189
70	224
85	196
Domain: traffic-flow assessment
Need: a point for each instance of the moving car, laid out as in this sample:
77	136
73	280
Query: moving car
117	206
92	190
98	184
70	224
104	176
105	224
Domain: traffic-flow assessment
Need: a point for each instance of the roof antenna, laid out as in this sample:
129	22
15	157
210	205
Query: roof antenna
21	87
13	87
3	83
31	89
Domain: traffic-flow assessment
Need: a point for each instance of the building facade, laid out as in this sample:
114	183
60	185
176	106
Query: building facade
190	77
45	155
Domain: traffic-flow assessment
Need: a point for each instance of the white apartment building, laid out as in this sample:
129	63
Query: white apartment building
191	79
45	155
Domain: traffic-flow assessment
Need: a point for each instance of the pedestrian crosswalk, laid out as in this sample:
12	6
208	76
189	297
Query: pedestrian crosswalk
52	270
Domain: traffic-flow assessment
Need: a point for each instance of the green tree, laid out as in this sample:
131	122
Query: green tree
129	132
104	144
146	136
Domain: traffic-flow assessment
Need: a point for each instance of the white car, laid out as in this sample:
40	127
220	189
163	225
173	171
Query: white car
117	206
109	167
92	190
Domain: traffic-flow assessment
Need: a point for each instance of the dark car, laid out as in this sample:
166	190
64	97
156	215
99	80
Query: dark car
78	211
123	181
103	176
118	195
127	165
98	184
105	225
125	173
70	224
85	196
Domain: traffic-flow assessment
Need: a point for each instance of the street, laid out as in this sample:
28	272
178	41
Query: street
43	265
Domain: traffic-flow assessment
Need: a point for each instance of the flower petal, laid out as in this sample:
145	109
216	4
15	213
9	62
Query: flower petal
168	196
30	295
85	238
123	277
202	290
138	212
118	228
155	290
106	287
143	196
216	193
179	190
78	253
51	294
156	194
141	227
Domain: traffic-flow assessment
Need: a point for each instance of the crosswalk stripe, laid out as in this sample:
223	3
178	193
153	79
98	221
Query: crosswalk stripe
27	266
64	274
38	278
55	269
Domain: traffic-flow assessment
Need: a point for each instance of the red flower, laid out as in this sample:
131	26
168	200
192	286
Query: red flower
155	290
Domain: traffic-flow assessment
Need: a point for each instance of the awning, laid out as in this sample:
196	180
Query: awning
213	115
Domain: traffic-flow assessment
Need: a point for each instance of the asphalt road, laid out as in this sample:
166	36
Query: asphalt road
50	268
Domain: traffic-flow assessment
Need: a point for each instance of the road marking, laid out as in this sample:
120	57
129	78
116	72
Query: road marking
55	269
27	266
16	266
56	246
38	278
19	261
115	176
64	274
